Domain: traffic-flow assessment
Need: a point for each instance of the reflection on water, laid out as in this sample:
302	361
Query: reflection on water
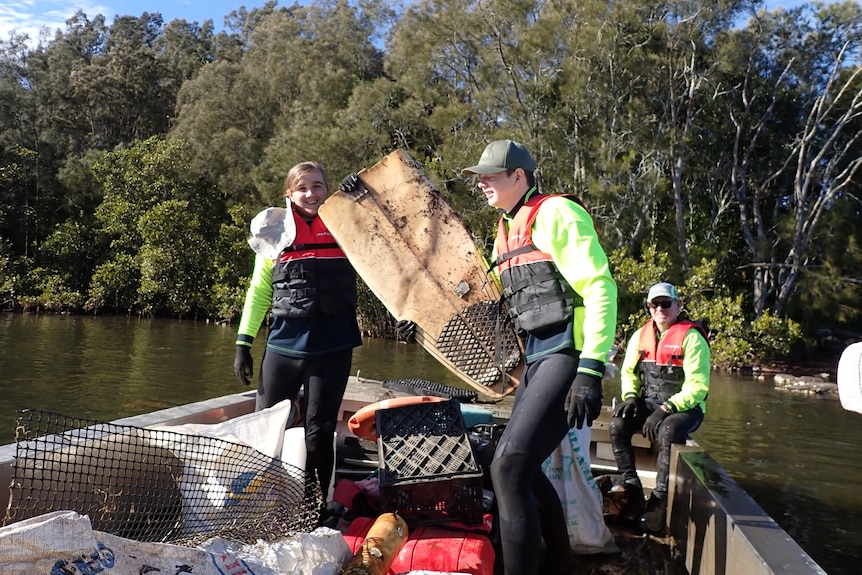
799	456
100	368
387	359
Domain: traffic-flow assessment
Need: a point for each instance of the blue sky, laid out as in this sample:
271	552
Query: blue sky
30	16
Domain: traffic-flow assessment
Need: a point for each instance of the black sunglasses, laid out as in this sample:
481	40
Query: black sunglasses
664	304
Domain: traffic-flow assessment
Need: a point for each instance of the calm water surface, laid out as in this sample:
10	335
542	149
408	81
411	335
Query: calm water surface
800	457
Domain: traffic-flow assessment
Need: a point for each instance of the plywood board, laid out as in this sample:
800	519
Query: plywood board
415	254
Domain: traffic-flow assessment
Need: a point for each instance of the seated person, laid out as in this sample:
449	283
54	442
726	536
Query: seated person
665	381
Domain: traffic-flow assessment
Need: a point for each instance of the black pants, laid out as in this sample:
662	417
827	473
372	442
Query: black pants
324	379
675	428
530	509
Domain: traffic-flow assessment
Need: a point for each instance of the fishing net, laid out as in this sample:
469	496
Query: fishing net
155	485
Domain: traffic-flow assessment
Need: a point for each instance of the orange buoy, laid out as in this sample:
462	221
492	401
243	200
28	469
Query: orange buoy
363	423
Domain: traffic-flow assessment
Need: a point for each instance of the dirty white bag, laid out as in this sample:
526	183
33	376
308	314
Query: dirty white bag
568	468
206	485
64	542
272	230
263	430
321	552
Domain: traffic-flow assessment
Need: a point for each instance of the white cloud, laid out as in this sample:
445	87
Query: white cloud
31	17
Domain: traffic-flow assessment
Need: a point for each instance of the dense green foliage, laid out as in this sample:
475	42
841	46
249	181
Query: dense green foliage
717	144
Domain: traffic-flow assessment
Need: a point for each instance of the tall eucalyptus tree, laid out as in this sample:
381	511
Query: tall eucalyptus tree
797	150
484	70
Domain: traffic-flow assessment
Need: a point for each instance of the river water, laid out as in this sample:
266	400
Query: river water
800	457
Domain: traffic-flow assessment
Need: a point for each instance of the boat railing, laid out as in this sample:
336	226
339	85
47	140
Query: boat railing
720	529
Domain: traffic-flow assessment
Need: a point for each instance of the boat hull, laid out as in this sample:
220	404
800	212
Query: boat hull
713	523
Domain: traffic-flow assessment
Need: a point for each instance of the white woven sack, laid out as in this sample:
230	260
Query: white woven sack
64	542
568	468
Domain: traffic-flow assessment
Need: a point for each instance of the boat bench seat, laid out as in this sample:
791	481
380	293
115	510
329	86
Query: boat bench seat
602	454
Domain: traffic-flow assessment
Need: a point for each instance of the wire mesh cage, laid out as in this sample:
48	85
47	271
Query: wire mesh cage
413	386
467	339
156	485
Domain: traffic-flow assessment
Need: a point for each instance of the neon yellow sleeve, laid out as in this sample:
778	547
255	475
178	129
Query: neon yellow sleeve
564	230
629	382
494	274
258	300
697	369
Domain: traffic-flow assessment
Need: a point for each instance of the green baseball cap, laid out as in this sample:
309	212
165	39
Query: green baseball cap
662	289
502	155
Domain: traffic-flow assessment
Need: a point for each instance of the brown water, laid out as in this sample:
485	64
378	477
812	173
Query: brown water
800	457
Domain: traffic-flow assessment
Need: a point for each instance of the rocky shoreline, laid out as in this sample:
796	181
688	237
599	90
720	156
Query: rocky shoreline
813	375
810	384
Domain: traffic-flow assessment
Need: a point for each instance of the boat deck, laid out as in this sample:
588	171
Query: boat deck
639	554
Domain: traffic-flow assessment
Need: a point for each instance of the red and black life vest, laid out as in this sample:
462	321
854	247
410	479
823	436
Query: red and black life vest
313	275
537	295
661	360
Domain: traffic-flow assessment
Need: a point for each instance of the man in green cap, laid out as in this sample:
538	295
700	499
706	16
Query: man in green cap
563	302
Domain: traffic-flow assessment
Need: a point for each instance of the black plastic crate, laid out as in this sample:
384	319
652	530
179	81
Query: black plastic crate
428	471
431	501
425	440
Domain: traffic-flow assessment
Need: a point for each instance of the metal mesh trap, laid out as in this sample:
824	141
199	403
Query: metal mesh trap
469	341
156	485
414	386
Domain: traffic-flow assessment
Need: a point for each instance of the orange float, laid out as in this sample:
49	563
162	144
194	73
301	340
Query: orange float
363	423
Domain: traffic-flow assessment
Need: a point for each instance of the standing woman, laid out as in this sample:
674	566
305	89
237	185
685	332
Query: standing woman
311	288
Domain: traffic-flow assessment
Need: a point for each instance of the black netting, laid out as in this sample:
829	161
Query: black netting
156	485
414	386
470	340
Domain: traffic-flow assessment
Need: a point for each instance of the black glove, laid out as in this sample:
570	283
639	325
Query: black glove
350	183
653	422
405	330
628	408
584	400
242	365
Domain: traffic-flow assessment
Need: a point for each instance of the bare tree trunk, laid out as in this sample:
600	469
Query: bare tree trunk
748	201
824	166
692	81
